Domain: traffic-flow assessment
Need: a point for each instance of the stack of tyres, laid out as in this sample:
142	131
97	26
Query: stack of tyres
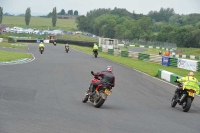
111	51
124	53
173	62
143	56
198	66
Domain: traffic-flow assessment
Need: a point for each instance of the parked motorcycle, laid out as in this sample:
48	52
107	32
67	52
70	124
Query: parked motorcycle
102	91
41	50
183	97
67	49
95	53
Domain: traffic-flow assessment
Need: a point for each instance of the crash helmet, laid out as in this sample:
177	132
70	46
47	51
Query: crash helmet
191	74
110	68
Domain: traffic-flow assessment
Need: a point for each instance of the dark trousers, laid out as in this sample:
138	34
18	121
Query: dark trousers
93	86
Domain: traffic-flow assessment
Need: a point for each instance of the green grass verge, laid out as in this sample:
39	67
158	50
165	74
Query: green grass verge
146	67
13	45
11	56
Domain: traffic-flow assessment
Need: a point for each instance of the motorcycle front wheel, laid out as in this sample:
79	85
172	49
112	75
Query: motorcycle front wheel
173	102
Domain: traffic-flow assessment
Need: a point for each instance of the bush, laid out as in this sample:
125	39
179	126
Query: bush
12	40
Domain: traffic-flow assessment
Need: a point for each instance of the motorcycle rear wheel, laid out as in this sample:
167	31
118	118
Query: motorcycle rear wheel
187	105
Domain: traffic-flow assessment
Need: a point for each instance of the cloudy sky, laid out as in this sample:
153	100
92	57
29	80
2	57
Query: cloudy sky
43	7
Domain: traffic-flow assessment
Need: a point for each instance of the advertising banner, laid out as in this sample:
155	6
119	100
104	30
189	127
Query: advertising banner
46	41
165	60
187	64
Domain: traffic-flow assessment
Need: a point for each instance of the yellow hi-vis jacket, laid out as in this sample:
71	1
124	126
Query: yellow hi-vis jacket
190	82
95	47
41	45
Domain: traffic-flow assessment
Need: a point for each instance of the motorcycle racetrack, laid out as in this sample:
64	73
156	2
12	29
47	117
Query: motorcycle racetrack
44	96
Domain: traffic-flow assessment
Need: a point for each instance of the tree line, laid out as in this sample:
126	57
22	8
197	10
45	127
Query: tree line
164	25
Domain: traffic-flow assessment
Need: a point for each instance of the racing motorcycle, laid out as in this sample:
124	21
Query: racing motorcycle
95	53
102	91
54	43
183	98
67	49
41	50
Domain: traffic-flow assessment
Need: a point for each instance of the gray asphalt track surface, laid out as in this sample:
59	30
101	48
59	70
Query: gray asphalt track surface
44	96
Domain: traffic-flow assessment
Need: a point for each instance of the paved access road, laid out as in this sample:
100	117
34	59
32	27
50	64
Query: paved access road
44	96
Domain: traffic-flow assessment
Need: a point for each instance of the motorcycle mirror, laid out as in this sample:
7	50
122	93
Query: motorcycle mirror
92	72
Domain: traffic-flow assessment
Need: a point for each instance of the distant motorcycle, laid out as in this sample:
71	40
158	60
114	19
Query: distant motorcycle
184	99
54	43
102	91
41	50
67	49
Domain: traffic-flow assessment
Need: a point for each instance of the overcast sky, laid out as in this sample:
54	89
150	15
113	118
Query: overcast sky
43	7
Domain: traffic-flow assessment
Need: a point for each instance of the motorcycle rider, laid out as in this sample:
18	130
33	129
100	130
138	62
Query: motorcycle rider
188	82
106	77
66	45
41	45
95	48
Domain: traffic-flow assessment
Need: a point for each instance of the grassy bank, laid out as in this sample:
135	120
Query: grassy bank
13	45
39	22
10	56
146	67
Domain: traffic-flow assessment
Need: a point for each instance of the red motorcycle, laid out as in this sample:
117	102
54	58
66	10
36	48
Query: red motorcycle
100	94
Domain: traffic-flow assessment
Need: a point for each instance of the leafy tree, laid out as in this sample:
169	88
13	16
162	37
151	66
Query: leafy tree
28	16
1	14
75	12
82	23
162	15
70	12
54	17
119	31
62	12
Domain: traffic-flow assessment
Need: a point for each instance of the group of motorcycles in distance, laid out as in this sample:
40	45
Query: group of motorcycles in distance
54	43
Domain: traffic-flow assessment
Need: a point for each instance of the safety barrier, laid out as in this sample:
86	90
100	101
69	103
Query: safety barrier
168	76
187	57
111	51
155	58
100	49
173	62
144	57
198	66
124	53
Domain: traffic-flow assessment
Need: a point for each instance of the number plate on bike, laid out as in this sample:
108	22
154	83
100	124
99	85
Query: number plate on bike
107	92
191	94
